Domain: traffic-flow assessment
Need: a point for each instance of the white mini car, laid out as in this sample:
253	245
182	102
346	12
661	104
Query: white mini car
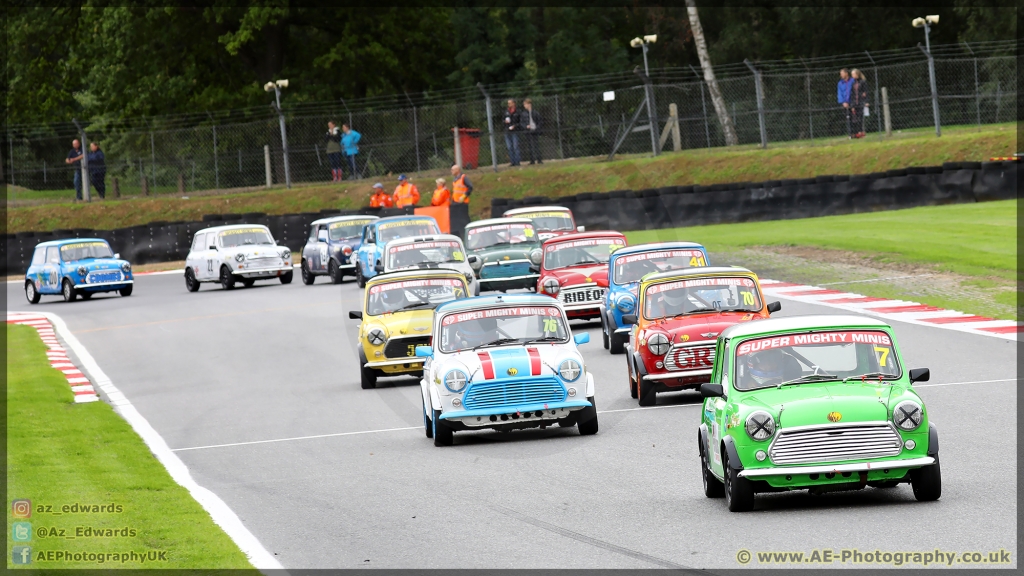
504	362
444	251
237	253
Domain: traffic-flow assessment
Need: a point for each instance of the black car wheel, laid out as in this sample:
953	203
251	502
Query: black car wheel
927	482
69	292
286	278
31	294
443	435
367	376
617	343
712	487
604	331
307	276
739	492
227	279
645	391
334	271
248	282
127	290
360	279
190	280
428	429
85	295
586	422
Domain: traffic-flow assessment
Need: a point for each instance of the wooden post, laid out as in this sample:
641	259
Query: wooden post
115	184
145	185
671	127
181	182
885	112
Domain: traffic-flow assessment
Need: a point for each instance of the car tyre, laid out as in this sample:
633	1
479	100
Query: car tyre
191	283
360	279
428	429
739	492
617	344
248	282
443	434
307	277
586	422
85	295
713	488
367	376
927	482
127	290
334	271
645	392
31	294
604	332
227	279
286	278
68	291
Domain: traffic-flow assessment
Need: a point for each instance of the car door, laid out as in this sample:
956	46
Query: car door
50	283
209	267
322	248
719	412
367	250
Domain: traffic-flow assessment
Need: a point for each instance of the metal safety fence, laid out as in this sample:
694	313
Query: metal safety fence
578	117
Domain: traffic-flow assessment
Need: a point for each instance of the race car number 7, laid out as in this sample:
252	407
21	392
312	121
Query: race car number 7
883	355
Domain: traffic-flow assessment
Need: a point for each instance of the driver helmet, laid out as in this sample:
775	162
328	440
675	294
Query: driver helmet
674	299
476	332
765	367
392	299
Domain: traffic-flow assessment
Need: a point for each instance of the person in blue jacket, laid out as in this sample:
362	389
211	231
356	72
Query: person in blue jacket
97	169
350	144
843	97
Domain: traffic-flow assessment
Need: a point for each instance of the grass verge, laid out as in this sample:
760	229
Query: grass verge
554	178
62	453
961	256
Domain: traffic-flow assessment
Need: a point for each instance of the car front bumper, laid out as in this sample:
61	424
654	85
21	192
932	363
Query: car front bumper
273	272
119	283
525	413
838	468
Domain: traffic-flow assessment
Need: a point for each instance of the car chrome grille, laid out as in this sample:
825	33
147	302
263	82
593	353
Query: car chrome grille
103	276
693	357
272	262
835	443
583	295
501	269
498	393
404	346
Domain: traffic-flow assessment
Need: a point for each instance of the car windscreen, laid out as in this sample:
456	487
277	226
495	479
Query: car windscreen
700	295
389	297
424	254
83	250
550	221
388	231
347	228
244	237
580	252
498	234
815	357
504	325
633	267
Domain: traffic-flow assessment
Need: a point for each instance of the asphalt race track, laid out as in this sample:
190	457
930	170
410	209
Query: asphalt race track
258	392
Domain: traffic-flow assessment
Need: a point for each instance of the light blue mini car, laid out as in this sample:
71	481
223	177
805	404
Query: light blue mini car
76	267
378	233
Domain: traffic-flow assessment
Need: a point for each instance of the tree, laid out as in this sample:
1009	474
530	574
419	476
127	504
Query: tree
709	76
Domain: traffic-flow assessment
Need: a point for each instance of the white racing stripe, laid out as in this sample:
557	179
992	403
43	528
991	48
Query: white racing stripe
222	515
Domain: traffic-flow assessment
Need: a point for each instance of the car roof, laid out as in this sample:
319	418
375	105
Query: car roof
584	236
405	217
637	248
232	227
528	209
497	300
333	219
63	241
424	238
491	221
697	271
801	323
415	275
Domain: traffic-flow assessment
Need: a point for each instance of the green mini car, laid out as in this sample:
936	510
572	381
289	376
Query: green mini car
813	402
504	253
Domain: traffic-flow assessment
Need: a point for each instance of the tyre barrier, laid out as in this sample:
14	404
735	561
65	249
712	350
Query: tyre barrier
678	206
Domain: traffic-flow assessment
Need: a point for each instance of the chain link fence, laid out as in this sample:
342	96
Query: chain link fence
976	84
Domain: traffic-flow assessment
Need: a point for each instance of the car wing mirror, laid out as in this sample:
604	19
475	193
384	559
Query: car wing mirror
117	255
424	351
581	228
321	236
582	338
629	319
774	306
355	315
473	259
920	375
378	268
711	390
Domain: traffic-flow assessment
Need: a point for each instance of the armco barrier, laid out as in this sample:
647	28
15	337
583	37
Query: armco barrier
678	206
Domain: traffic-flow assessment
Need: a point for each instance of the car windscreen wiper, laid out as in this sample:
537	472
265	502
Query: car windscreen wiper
543	339
737	309
414	306
868	375
581	262
809	378
497	342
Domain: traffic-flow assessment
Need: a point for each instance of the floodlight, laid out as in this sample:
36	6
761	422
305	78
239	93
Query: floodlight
268	86
636	42
933	19
652	38
282	83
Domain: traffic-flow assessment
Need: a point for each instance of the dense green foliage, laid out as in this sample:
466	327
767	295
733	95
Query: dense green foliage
89	60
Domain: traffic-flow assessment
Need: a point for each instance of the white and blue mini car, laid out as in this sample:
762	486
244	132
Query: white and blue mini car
504	362
76	267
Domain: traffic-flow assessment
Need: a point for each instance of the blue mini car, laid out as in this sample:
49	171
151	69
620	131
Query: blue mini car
76	267
378	233
625	269
331	247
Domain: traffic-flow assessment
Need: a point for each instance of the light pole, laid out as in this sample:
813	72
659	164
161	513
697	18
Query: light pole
926	23
276	87
642	43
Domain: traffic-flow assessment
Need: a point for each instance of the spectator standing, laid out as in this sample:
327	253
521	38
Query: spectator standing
350	142
858	101
532	118
441	195
513	125
379	198
333	138
97	169
406	193
75	160
461	186
843	89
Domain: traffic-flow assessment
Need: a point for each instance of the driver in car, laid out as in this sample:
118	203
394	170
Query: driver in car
638	269
768	368
476	332
671	303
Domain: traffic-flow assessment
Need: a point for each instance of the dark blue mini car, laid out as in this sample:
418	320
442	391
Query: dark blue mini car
76	267
331	247
378	233
626	267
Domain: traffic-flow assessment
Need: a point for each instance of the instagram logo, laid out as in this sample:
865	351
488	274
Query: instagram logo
21	508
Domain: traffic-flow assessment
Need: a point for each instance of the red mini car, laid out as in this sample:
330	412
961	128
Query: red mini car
574	269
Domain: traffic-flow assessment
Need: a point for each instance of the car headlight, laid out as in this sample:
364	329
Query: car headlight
82	271
907	415
760	425
658	344
569	370
239	257
625	303
376	337
126	268
536	256
346	250
286	254
551	286
455	380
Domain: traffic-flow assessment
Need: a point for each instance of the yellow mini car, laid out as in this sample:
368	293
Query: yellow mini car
398	312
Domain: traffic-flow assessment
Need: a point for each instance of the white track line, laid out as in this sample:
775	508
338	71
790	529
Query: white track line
222	515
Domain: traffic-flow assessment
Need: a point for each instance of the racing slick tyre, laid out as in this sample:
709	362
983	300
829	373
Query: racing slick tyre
927	482
739	492
617	344
427	428
645	392
227	280
604	332
307	276
31	294
248	282
286	278
85	295
190	280
334	272
586	422
127	290
68	291
712	487
367	376
443	435
360	279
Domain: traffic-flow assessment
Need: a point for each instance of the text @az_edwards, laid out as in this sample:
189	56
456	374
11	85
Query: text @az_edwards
856	556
